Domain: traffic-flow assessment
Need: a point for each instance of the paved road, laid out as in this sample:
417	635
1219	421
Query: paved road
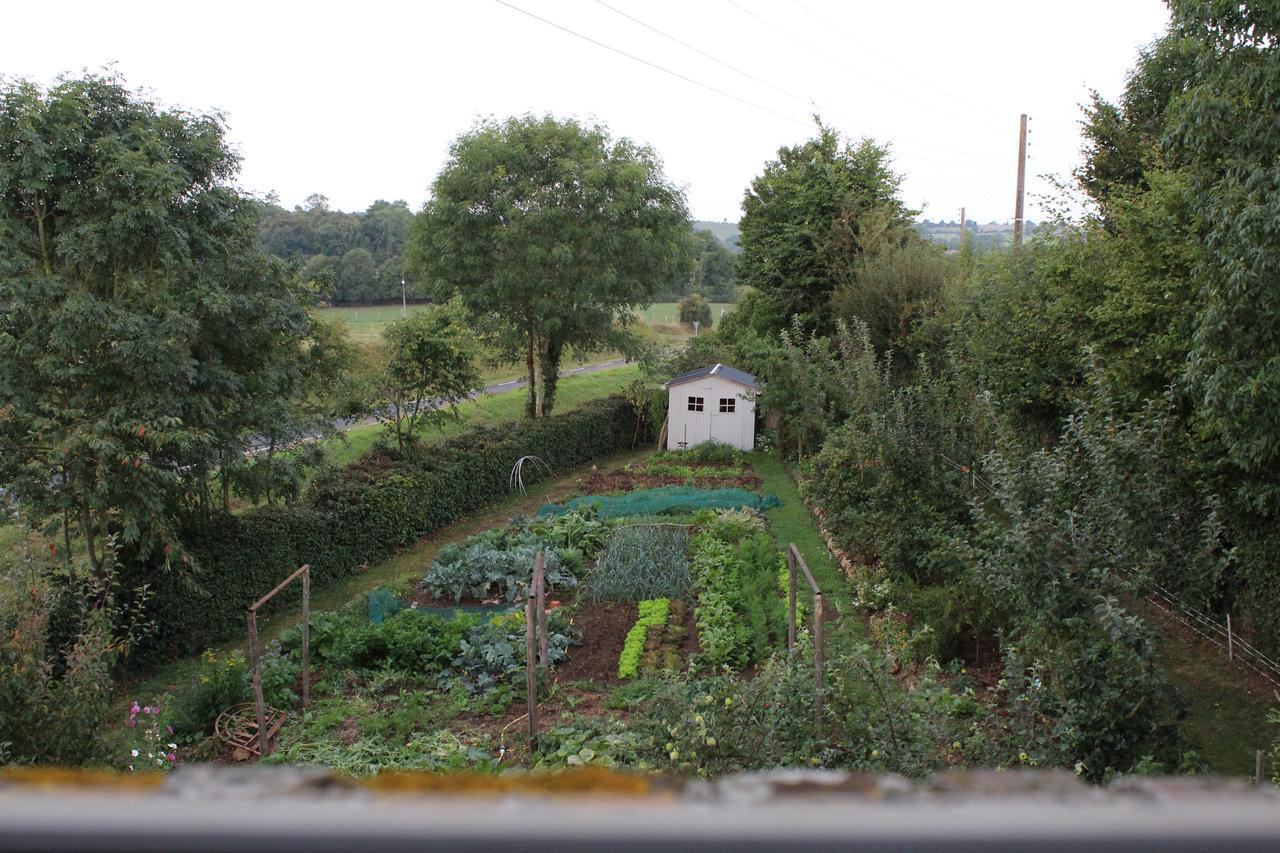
258	445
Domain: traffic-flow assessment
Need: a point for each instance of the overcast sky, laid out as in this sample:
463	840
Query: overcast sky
360	101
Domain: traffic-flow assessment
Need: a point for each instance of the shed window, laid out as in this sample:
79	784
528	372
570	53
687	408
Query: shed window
695	404
728	404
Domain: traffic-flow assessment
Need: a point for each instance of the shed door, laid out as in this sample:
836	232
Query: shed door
724	408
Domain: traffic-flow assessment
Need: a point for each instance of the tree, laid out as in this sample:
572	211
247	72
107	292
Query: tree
552	234
695	309
357	279
803	223
1222	124
143	335
430	368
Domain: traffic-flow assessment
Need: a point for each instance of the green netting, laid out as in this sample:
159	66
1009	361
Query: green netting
383	603
664	501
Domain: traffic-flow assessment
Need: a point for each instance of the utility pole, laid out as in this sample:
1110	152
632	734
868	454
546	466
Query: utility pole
962	232
404	301
1022	179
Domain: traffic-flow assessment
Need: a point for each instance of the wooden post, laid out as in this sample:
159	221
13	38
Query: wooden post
1258	765
257	683
540	592
818	663
1022	180
306	638
791	600
530	668
1231	646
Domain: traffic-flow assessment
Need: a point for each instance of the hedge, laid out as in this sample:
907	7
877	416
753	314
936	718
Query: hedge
361	514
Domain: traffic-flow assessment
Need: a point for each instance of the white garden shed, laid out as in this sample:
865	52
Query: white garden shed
715	403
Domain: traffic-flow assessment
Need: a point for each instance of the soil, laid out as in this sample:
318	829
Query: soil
604	629
603	482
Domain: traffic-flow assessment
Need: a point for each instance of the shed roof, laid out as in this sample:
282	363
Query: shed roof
721	370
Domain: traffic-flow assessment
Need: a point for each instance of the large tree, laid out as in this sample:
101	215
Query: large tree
143	335
804	224
552	233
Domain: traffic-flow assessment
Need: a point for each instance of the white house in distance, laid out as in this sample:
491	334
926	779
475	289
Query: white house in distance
715	403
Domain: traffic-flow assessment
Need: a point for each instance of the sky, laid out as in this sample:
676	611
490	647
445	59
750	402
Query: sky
361	101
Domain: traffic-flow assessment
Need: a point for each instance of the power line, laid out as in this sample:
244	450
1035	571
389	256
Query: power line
653	65
825	55
717	90
792	95
861	45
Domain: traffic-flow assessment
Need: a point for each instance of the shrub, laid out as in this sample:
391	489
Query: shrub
56	685
641	561
358	515
221	682
653	613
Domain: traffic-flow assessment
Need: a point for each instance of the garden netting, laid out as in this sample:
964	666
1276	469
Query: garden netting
665	500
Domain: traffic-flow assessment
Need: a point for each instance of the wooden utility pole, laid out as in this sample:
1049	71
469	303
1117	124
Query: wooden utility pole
1022	179
962	231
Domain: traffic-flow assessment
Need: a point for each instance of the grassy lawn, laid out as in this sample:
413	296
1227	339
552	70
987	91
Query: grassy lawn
1228	705
792	522
571	393
668	313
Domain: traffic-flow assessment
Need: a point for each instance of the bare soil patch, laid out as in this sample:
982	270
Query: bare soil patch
604	628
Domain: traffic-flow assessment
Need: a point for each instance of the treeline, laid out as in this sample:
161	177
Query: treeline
344	257
358	257
1017	445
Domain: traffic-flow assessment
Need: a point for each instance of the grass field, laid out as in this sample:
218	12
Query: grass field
571	393
367	322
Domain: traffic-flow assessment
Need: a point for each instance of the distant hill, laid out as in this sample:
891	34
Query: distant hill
991	234
725	232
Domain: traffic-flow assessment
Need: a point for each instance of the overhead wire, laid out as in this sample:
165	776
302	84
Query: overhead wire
792	95
652	65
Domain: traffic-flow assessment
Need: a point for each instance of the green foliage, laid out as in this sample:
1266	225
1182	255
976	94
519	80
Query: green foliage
499	563
694	309
361	515
553	234
580	530
221	681
893	291
322	242
740	616
641	562
652	614
582	741
493	653
144	337
430	368
55	696
808	218
895	479
729	525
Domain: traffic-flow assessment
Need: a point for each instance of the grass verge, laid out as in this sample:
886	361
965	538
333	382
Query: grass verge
572	392
792	522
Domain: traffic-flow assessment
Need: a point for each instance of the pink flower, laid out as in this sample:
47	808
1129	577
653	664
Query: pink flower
170	728
173	756
135	709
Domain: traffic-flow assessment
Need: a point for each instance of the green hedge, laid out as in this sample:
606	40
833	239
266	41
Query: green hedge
360	515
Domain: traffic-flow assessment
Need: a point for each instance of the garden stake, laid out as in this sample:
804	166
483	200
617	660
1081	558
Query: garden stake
540	590
257	683
306	638
530	673
791	602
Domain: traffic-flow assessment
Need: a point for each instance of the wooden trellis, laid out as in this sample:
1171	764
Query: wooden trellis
794	559
266	728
